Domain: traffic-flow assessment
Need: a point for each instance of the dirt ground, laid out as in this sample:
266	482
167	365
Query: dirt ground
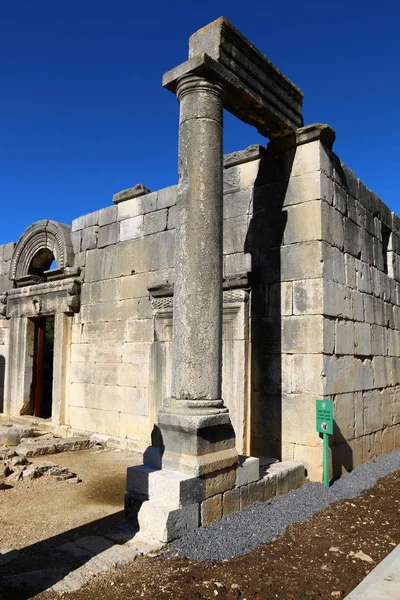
42	508
316	559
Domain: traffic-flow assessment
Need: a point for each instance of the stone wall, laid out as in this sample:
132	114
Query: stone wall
329	281
361	319
123	249
120	353
311	309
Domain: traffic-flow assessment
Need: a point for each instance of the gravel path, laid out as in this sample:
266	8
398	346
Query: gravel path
243	531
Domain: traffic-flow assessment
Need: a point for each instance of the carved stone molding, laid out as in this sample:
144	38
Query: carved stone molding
229	297
3	305
41	236
49	298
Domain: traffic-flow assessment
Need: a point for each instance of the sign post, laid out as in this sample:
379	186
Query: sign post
324	414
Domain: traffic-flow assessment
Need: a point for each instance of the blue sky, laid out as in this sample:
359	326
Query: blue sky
83	114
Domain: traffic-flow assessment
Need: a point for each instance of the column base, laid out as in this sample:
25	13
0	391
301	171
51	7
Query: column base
168	505
196	440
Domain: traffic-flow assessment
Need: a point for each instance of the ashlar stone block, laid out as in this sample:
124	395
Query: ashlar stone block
307	373
108	234
308	297
231	501
344	337
155	222
237	204
302	334
289	475
211	509
107	215
303	223
166	197
362	339
373	419
382	371
296	409
301	261
170	487
131	228
347	374
248	470
344	417
166	524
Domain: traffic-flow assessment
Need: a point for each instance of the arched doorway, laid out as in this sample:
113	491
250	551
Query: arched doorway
40	308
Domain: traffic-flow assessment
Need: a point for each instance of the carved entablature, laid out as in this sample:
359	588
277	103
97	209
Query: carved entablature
44	299
162	296
39	246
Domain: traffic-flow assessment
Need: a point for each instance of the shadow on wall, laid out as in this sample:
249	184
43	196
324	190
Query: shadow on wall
263	242
341	454
2	376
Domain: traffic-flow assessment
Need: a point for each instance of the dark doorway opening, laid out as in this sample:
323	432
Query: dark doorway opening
43	367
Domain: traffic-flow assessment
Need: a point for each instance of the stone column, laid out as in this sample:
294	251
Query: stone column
194	423
197	350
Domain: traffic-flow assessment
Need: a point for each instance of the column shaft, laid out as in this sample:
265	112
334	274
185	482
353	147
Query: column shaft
197	325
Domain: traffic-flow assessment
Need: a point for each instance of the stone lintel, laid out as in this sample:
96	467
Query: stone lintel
250	102
263	87
304	135
243	156
134	192
41	299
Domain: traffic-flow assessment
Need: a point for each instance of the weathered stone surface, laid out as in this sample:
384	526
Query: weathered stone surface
155	222
107	235
289	475
273	104
243	156
39	447
231	501
211	509
134	192
131	229
247	471
175	488
164	523
11	434
107	215
166	197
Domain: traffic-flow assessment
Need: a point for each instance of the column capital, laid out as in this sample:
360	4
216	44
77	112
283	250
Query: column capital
192	83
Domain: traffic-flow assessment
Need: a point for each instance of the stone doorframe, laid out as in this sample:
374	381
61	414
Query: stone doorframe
236	359
51	293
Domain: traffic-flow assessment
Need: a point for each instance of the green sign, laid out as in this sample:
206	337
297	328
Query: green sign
325	416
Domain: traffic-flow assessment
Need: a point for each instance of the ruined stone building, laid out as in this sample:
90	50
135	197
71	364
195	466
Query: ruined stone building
311	304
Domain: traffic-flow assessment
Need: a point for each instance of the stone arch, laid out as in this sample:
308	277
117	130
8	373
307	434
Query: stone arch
37	242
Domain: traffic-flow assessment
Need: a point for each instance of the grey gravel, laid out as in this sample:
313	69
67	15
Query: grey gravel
241	532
